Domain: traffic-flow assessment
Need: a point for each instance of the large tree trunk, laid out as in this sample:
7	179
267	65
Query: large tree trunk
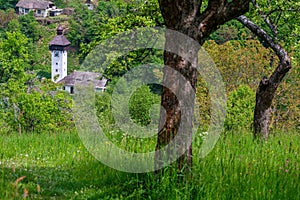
180	77
268	86
175	129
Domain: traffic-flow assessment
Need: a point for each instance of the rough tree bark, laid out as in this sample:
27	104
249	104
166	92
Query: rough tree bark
267	87
185	17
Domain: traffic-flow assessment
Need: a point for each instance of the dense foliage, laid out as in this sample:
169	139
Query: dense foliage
29	103
6	4
241	58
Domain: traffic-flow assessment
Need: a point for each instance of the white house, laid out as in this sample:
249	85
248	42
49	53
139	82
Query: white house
97	80
39	7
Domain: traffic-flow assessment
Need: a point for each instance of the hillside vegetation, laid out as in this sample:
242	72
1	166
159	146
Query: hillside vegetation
42	156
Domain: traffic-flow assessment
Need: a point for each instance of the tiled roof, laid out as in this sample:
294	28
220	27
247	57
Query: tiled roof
60	40
84	79
34	4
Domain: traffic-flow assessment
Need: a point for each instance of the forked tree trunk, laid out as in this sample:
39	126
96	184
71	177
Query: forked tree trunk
185	17
268	86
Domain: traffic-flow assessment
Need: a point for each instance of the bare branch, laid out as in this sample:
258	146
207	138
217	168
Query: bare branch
262	34
285	60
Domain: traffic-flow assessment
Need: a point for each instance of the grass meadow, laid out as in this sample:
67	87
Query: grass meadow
57	166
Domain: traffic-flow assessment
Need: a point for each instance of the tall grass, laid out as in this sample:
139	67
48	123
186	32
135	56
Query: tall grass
57	166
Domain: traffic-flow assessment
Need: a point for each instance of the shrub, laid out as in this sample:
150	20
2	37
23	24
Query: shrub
140	105
240	108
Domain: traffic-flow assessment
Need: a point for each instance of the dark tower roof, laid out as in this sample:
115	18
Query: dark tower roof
59	40
59	30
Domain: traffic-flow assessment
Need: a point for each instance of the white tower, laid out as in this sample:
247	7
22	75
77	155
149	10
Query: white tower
58	47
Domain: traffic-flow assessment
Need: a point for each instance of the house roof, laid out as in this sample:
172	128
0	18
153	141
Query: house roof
59	39
84	79
34	4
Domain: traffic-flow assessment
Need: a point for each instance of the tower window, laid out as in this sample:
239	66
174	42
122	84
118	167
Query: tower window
56	54
56	70
56	63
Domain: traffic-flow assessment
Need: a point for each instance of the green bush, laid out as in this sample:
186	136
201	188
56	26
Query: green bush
35	106
103	109
140	105
240	108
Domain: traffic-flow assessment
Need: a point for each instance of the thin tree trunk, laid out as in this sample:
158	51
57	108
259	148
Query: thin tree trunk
268	86
262	113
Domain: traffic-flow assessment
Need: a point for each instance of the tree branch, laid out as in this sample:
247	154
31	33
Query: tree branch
266	19
185	16
218	12
280	52
285	60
